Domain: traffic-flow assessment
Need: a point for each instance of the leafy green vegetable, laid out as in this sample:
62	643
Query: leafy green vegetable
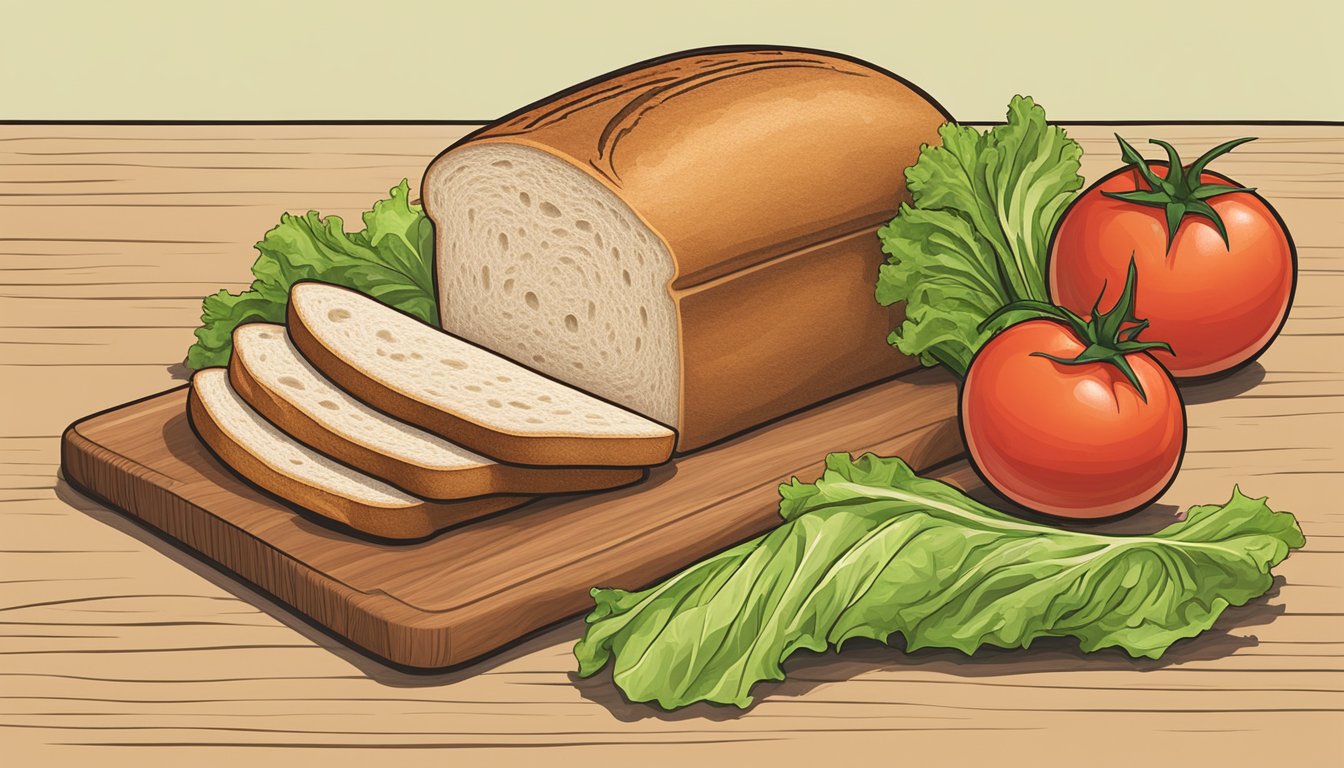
391	259
977	236
872	550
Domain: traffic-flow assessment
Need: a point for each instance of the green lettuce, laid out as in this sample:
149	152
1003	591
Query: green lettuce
976	238
391	259
872	550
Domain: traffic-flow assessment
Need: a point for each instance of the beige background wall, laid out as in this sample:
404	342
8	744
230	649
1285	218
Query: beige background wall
412	59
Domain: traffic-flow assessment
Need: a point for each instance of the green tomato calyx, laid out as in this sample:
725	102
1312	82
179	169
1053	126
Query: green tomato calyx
1181	193
1109	336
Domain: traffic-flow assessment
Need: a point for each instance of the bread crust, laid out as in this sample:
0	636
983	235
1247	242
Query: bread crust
528	450
748	164
429	482
402	522
788	335
737	157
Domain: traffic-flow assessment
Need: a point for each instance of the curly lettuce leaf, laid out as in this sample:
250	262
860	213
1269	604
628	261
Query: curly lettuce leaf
391	259
976	238
872	550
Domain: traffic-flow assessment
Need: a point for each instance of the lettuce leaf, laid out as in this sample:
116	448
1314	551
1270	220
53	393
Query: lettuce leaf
872	550
976	238
391	259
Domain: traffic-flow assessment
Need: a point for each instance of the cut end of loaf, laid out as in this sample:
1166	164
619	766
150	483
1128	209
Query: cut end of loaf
540	262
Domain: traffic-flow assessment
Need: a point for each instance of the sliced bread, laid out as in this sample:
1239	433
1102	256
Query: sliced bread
463	392
271	375
276	463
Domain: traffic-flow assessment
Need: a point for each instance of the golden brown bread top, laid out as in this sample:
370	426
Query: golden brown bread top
737	156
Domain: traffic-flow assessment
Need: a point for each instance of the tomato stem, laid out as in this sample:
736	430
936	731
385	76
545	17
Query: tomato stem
1109	336
1181	193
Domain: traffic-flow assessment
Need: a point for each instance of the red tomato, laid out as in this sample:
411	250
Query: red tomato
1218	306
1071	440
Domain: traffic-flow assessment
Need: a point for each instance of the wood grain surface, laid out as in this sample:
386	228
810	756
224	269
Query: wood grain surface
115	648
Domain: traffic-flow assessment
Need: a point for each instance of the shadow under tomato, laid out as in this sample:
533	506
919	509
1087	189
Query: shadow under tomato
1225	387
1150	519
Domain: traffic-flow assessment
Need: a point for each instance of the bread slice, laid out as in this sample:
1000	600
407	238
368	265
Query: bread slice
460	391
276	463
271	375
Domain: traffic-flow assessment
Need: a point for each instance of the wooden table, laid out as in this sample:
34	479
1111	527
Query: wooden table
110	235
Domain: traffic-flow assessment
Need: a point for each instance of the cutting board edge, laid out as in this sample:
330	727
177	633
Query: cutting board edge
369	617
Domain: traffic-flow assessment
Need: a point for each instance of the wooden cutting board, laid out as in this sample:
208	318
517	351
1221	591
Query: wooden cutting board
475	588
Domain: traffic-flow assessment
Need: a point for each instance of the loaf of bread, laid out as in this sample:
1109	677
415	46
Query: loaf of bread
693	239
270	374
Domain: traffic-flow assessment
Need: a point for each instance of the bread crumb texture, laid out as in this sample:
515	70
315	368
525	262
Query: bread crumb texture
539	261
